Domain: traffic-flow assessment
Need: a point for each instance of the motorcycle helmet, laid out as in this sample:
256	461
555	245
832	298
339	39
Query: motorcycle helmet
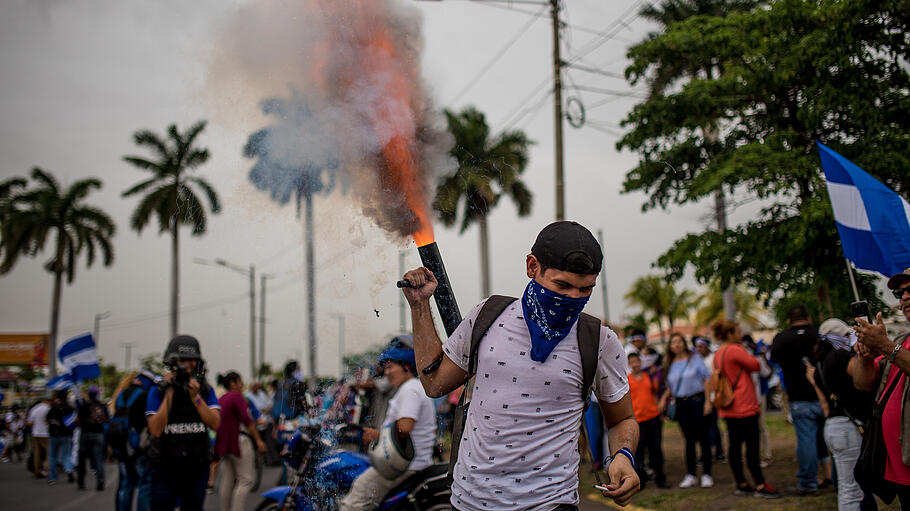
390	456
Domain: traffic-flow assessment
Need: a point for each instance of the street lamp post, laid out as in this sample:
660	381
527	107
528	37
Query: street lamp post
251	273
340	318
262	279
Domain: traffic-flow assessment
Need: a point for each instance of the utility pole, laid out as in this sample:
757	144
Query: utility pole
96	331
557	111
128	348
252	322
603	276
262	279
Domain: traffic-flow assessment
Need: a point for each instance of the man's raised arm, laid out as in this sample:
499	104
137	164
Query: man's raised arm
443	376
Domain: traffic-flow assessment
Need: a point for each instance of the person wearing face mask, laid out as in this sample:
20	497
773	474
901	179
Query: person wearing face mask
410	415
520	445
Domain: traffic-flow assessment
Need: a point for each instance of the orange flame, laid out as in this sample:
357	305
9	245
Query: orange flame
394	80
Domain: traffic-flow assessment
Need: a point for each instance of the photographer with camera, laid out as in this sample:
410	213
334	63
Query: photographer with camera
181	410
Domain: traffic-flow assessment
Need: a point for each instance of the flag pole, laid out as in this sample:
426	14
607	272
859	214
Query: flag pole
852	279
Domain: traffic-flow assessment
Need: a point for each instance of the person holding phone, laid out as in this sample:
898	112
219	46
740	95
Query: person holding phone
883	363
846	408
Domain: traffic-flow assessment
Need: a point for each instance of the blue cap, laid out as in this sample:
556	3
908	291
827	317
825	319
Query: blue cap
401	355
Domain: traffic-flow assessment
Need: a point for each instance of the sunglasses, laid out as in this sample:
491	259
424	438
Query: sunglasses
899	292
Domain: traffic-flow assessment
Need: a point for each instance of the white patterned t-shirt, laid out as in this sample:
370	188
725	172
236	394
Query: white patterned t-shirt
519	449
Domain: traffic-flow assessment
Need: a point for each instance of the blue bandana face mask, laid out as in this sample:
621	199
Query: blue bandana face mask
549	316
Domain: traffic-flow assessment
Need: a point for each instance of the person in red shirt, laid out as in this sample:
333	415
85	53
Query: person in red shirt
741	415
644	404
881	364
234	448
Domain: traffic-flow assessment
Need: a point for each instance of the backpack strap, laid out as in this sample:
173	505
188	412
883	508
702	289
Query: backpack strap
588	348
491	309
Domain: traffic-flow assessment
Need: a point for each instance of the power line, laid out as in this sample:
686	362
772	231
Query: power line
617	26
477	76
612	92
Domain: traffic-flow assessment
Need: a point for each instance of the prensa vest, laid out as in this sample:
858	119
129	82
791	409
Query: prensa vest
185	440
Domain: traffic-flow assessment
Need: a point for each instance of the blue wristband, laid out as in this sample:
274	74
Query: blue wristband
624	451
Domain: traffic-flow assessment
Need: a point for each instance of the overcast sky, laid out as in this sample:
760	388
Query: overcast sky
78	78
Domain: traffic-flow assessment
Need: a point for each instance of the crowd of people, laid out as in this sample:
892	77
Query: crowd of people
514	396
833	376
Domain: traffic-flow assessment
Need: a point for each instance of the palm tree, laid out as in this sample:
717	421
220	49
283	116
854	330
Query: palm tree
169	193
659	300
8	190
489	167
668	71
749	308
284	170
47	211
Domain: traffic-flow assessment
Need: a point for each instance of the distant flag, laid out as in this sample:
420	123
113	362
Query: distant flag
70	420
61	382
78	356
873	221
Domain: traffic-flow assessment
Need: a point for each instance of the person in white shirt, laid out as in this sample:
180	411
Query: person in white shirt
37	419
519	449
410	413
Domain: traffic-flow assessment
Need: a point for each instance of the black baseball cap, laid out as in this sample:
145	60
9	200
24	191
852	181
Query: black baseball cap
568	246
183	346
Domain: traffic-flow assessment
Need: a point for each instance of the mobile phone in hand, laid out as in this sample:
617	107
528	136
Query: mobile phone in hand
807	361
860	309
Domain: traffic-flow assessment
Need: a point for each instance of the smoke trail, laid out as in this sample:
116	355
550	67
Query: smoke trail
358	105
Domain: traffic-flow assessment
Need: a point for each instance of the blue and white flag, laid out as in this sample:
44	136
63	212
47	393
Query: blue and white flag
60	382
873	221
79	358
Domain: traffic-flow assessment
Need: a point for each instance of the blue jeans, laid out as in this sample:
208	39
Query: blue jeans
808	420
61	452
134	477
92	448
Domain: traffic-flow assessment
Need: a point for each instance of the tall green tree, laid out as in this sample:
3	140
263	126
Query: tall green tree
489	168
8	190
659	299
787	75
170	194
47	211
668	72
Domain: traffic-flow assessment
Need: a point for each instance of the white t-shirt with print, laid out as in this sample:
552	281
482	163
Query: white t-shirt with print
37	417
410	401
519	450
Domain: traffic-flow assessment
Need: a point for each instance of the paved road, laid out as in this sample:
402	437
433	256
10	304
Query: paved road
19	490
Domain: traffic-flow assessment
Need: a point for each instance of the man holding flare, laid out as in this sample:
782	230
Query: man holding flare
519	449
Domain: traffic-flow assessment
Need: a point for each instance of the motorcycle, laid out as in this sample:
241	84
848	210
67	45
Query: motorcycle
322	474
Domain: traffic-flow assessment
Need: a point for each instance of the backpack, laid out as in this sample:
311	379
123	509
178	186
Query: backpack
588	345
721	385
121	435
97	414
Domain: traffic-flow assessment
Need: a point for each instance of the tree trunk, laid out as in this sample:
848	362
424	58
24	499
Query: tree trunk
484	257
175	276
311	284
720	212
55	323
